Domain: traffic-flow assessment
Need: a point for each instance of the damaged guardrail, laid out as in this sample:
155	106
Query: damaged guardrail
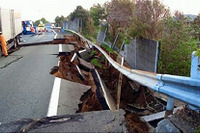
186	89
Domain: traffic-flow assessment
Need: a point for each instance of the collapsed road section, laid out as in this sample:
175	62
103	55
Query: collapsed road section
85	64
88	65
79	63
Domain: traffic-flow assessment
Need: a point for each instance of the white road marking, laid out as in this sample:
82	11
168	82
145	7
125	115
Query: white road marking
53	104
81	51
55	34
73	57
60	47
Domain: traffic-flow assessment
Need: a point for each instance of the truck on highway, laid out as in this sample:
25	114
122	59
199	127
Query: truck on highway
41	28
28	27
10	27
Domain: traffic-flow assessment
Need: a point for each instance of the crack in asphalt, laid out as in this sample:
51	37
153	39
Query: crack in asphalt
11	62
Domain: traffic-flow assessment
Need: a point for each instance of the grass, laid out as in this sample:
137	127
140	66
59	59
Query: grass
92	53
197	130
197	53
109	49
96	63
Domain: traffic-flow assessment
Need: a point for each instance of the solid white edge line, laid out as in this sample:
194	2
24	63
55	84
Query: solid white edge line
53	104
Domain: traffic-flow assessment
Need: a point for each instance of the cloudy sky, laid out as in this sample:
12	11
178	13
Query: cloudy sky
36	9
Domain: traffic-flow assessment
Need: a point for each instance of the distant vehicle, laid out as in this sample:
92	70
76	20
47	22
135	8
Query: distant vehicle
28	27
10	26
52	25
41	28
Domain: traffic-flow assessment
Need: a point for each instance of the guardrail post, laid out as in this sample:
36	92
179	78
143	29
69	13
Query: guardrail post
170	106
195	73
119	86
195	67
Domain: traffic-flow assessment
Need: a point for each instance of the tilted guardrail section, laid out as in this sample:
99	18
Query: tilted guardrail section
186	89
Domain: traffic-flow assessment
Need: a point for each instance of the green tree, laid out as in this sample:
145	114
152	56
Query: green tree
59	20
119	15
97	13
196	26
80	13
37	22
148	19
84	19
175	48
43	20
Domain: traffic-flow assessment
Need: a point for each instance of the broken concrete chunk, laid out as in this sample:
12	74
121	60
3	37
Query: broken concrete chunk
88	50
186	120
84	54
159	115
85	65
69	97
166	126
68	48
82	77
73	42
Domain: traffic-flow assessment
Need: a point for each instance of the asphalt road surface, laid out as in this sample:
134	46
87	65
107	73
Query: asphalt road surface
42	37
25	82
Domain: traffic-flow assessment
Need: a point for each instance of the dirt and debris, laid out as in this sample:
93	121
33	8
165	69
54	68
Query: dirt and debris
135	124
136	102
89	102
187	117
184	120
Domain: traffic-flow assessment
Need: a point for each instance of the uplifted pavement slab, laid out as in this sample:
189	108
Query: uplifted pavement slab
67	48
39	38
70	94
99	121
6	61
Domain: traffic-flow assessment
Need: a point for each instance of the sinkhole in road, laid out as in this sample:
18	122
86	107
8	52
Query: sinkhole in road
81	64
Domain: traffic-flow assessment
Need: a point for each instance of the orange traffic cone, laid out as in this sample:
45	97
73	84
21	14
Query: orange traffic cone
3	44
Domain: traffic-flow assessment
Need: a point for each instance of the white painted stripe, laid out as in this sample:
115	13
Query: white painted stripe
78	69
73	57
55	34
53	104
81	51
60	48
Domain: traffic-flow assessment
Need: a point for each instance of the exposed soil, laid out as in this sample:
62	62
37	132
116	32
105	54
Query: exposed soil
135	124
68	70
89	102
135	103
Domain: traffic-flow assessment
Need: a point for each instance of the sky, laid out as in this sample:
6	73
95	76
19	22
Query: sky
49	9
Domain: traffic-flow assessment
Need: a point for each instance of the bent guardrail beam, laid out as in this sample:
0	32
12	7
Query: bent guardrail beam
186	89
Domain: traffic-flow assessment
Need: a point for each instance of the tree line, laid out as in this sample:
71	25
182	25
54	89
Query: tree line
178	35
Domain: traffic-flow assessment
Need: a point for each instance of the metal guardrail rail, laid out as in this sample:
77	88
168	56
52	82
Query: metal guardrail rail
186	89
